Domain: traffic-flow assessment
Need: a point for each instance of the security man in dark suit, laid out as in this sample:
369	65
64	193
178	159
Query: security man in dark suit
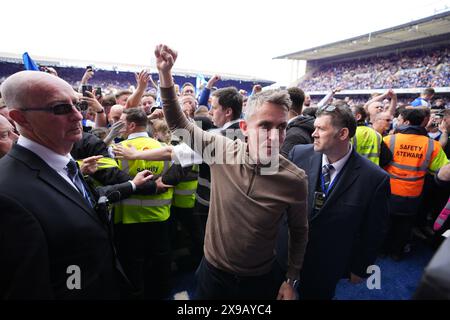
347	205
53	242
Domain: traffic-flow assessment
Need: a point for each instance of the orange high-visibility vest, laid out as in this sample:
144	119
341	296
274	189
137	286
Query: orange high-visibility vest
412	156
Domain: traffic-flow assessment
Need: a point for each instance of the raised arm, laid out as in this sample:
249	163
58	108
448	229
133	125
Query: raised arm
203	101
393	103
142	79
192	135
130	153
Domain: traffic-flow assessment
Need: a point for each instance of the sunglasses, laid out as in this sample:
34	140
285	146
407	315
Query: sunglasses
328	108
61	109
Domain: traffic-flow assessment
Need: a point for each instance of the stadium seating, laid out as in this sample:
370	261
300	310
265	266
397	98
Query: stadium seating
409	69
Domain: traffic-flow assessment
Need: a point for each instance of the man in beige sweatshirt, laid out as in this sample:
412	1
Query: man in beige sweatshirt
252	187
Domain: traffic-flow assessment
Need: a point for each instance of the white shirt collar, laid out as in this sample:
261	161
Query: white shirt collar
56	161
338	165
137	135
230	123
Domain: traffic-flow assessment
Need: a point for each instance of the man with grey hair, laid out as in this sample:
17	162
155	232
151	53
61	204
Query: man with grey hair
247	201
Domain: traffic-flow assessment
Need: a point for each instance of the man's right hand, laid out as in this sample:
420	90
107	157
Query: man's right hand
286	292
165	58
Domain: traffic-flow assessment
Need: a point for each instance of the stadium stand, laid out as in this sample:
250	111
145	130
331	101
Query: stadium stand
114	79
407	58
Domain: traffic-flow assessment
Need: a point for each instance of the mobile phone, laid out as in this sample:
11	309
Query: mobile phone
85	88
98	92
89	68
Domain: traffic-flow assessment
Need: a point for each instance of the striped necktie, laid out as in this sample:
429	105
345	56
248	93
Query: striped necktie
75	177
326	176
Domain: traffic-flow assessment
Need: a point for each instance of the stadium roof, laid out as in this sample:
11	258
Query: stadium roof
433	28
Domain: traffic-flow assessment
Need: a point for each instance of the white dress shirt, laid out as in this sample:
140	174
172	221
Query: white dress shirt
338	165
55	161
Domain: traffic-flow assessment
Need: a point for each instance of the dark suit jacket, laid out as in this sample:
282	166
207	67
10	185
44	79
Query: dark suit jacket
46	227
347	232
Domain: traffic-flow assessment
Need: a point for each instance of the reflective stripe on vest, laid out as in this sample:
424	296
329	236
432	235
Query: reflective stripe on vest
146	202
201	200
407	180
425	164
366	144
144	208
125	166
184	192
204	182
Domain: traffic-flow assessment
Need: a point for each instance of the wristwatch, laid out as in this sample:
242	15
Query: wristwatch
103	110
292	283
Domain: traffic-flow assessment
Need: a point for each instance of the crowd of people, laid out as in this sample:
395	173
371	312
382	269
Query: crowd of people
112	81
410	69
266	195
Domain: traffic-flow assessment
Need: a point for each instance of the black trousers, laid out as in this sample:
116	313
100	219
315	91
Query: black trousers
399	233
215	284
144	251
184	217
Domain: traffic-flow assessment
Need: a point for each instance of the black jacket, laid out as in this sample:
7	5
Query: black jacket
47	228
346	233
298	131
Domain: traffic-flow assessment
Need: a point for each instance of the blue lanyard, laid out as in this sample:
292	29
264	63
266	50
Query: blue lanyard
322	184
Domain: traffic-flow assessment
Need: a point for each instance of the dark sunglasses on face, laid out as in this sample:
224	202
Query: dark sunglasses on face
61	109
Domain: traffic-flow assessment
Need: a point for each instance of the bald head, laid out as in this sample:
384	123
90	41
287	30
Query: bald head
382	122
24	88
115	113
31	97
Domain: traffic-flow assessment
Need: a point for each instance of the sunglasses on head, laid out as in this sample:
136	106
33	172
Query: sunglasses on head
61	109
328	108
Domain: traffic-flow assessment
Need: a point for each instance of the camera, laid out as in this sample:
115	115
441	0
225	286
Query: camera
85	88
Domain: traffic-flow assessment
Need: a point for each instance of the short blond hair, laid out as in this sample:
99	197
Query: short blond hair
275	96
160	126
